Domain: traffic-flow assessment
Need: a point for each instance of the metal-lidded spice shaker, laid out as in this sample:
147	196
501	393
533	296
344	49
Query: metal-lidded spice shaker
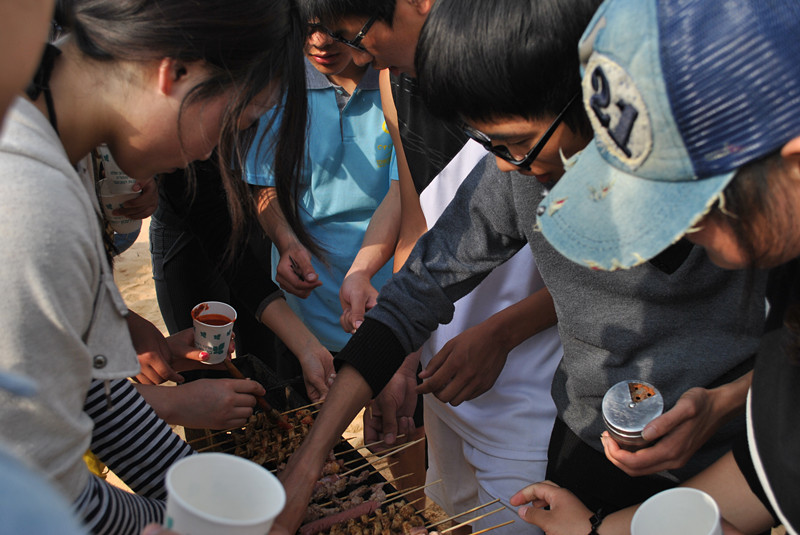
628	407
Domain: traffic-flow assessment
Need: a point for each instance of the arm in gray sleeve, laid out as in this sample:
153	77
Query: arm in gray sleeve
477	232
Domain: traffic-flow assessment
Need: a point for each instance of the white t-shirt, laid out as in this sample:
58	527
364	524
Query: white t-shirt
515	417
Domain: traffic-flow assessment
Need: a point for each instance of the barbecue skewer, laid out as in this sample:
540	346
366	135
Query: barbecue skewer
486	530
468	522
303	407
464	513
365	446
402	493
389	452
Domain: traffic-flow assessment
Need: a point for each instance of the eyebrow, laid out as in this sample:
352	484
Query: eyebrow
508	136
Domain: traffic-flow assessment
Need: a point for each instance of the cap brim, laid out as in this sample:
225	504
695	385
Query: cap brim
606	219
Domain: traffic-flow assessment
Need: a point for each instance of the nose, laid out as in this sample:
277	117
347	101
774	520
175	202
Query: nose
505	166
362	58
320	39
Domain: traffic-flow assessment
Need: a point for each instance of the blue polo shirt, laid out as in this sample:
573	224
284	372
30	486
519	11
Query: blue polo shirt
347	174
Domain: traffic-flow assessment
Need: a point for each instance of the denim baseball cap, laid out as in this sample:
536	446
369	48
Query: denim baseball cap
680	94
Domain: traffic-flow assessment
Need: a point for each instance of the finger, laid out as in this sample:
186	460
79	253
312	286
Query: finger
533	492
344	321
144	379
683	410
389	426
318	385
156	370
198	355
248	386
357	310
433	366
461	395
437	381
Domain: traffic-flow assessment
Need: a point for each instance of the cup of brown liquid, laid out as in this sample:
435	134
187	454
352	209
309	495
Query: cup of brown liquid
213	325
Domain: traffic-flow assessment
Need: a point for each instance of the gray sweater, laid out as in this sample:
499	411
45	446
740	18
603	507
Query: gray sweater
695	327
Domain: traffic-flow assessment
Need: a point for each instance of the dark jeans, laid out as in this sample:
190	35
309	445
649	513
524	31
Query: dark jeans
586	472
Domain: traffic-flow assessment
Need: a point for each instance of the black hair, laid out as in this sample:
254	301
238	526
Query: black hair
247	45
484	60
755	207
757	210
329	12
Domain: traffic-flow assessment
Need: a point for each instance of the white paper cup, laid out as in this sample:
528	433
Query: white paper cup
678	511
213	337
113	201
216	493
117	181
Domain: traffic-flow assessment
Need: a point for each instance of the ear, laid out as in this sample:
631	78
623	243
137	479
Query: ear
422	7
792	148
170	71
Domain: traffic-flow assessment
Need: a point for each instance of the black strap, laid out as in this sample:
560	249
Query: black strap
41	82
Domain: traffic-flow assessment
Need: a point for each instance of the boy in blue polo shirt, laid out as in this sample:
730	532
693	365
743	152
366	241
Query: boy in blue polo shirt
347	175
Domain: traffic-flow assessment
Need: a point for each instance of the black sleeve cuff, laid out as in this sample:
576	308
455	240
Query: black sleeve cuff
374	352
277	294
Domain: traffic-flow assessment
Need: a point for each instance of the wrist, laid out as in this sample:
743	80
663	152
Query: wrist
595	520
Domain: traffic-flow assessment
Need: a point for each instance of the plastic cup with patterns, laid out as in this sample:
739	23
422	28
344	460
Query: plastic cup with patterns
117	180
680	510
212	322
112	201
213	493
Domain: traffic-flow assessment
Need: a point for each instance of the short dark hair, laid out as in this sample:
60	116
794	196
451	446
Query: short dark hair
484	60
330	11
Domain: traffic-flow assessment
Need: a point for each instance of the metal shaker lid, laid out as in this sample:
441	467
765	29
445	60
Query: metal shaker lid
629	406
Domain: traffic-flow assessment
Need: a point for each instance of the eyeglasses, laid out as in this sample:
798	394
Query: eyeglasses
356	41
503	152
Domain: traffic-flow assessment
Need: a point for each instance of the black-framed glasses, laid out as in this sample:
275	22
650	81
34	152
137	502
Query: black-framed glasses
503	152
356	41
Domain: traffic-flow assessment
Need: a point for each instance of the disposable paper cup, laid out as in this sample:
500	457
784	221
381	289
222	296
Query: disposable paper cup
681	510
214	493
213	337
113	201
117	181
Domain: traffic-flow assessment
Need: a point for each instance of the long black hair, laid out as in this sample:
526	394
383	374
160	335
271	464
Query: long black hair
247	45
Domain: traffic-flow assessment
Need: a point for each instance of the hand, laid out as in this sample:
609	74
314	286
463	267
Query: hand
318	370
298	279
144	205
466	367
357	295
681	432
155	356
181	346
298	482
567	515
391	413
214	403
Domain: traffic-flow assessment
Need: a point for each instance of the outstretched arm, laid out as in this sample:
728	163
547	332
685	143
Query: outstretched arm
316	361
356	294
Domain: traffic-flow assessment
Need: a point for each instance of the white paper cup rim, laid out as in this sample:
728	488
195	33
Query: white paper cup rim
270	514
